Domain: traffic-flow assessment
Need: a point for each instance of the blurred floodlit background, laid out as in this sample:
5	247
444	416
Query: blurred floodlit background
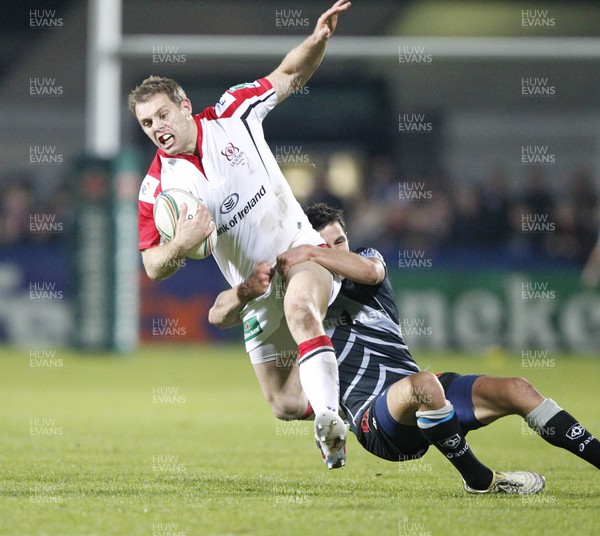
461	138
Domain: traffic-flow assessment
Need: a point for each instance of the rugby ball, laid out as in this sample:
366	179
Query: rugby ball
166	214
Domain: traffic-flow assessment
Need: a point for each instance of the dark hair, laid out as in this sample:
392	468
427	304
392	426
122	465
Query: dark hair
155	85
321	215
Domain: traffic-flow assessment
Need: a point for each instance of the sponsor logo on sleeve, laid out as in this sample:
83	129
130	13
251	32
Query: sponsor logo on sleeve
147	189
247	85
251	328
224	102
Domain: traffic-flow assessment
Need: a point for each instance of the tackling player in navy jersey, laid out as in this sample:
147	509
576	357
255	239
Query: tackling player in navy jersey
397	411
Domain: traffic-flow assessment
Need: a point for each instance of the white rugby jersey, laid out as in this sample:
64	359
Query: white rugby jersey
237	177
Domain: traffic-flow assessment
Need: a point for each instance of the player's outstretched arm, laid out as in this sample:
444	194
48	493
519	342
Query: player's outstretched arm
161	262
301	62
364	270
225	312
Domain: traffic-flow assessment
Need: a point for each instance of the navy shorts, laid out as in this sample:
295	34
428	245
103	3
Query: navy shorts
382	436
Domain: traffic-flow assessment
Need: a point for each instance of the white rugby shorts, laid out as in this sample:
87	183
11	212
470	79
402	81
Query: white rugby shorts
263	316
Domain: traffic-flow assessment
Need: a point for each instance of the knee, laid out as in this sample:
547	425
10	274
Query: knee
301	314
518	394
285	409
427	379
427	389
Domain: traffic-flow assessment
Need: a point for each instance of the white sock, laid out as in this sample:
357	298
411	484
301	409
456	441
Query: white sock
538	417
319	374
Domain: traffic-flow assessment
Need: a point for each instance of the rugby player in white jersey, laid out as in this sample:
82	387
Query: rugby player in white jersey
221	157
395	410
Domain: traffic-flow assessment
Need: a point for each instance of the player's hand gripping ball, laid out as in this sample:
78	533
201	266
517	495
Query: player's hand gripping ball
166	214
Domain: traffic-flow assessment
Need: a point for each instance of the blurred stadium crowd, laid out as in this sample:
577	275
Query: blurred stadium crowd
498	217
439	215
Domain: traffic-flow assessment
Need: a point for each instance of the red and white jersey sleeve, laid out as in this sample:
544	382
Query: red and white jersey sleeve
237	177
257	97
150	188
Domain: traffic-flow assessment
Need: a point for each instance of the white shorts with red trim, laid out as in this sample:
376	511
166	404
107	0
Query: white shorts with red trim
263	316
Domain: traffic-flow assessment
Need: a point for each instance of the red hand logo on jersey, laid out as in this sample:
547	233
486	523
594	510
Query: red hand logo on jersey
234	156
364	422
230	151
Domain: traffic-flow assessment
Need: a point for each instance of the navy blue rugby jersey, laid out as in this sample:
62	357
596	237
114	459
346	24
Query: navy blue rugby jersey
363	323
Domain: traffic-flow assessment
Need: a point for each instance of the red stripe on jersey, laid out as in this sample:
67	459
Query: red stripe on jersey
147	233
242	94
148	236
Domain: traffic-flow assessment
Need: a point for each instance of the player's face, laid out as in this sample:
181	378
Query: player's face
170	126
335	236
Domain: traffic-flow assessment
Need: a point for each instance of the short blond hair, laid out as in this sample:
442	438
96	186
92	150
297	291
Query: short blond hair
155	85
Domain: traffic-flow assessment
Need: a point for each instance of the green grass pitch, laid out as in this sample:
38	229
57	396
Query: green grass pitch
177	441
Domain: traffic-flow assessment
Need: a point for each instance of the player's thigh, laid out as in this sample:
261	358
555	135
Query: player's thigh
308	283
400	403
496	397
